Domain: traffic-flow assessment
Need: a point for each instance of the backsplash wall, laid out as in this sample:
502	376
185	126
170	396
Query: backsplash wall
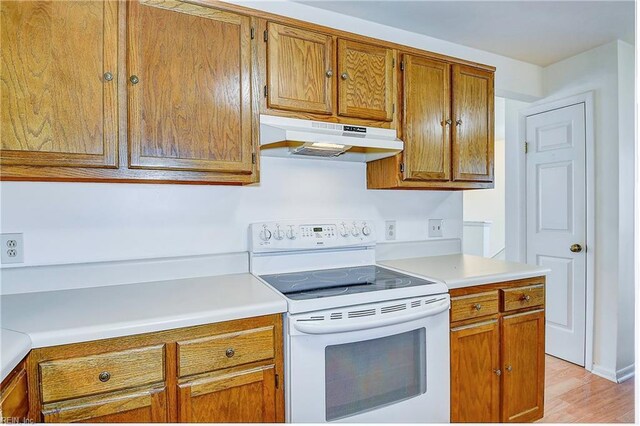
92	222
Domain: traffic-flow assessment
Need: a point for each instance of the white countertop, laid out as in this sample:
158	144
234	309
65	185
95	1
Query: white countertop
14	347
464	270
70	316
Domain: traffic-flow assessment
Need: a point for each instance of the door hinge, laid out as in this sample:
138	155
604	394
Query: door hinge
253	33
266	35
401	167
253	158
265	90
401	65
277	378
526	147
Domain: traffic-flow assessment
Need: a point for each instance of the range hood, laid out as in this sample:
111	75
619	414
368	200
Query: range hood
294	138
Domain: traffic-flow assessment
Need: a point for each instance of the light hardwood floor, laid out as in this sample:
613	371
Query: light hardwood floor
573	395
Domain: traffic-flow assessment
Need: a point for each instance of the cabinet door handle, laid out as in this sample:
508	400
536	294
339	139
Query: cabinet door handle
134	79
344	76
458	122
525	298
230	352
329	73
104	376
447	122
108	76
498	372
477	306
508	368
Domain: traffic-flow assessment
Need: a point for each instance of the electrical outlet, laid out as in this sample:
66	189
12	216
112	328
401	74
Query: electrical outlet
435	228
390	230
12	247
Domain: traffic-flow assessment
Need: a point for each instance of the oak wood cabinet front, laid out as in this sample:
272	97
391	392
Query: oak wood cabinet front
59	91
189	88
14	396
497	352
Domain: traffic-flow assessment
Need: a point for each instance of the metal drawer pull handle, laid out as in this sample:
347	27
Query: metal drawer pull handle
108	76
525	297
498	372
509	368
134	79
104	376
477	306
230	352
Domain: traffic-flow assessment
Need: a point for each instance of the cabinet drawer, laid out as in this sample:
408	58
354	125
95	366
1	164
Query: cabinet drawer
474	305
225	350
522	297
92	374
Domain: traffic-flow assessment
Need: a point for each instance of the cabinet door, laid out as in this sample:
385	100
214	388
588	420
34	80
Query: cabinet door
523	361
426	109
365	83
144	406
14	398
59	105
300	69
472	124
475	379
247	396
189	88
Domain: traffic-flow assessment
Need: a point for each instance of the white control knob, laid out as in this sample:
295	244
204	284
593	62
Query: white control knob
355	231
278	234
291	234
366	231
265	235
344	231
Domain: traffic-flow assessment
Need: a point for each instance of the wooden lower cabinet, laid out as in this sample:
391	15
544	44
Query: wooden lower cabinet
216	373
497	356
475	360
523	359
244	396
138	406
14	397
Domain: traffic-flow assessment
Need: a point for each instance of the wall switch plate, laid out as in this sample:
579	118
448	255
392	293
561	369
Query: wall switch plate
12	248
390	230
435	228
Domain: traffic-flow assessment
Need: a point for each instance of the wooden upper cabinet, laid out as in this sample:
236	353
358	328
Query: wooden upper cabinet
523	366
365	81
426	109
189	88
475	386
300	69
133	406
59	83
473	143
245	396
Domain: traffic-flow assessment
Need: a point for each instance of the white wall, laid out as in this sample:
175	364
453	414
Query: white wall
86	222
488	205
606	71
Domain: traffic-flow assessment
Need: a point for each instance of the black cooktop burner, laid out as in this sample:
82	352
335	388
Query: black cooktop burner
340	281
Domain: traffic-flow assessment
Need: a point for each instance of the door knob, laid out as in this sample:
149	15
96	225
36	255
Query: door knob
576	248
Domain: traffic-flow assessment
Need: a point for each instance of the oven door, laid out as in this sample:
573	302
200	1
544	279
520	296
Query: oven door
378	363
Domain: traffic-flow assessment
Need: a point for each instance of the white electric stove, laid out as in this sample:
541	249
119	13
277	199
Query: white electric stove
363	343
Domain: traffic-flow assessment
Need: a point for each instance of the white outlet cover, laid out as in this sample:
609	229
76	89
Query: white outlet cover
11	248
390	230
435	228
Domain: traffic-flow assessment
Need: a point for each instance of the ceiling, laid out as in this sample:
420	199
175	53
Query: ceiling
538	32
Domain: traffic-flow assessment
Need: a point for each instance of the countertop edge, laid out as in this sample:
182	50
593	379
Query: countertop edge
495	278
19	349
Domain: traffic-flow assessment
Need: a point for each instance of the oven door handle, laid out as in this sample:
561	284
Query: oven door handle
364	323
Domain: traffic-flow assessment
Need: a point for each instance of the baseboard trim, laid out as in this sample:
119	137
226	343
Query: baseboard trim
625	373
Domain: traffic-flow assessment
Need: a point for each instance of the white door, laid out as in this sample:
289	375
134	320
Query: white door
556	223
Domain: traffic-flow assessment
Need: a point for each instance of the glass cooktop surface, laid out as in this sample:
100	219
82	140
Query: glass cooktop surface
340	281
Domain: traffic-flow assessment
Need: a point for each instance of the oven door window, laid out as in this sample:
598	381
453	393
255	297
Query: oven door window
370	374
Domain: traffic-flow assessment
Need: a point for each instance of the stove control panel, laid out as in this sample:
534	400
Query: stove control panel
292	235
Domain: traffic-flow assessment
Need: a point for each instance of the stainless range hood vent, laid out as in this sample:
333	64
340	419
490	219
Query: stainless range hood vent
294	138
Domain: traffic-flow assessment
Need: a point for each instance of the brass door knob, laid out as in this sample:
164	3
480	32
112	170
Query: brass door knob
230	352
576	248
104	376
134	79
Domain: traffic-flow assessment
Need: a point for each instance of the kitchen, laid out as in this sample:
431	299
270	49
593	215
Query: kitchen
138	299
